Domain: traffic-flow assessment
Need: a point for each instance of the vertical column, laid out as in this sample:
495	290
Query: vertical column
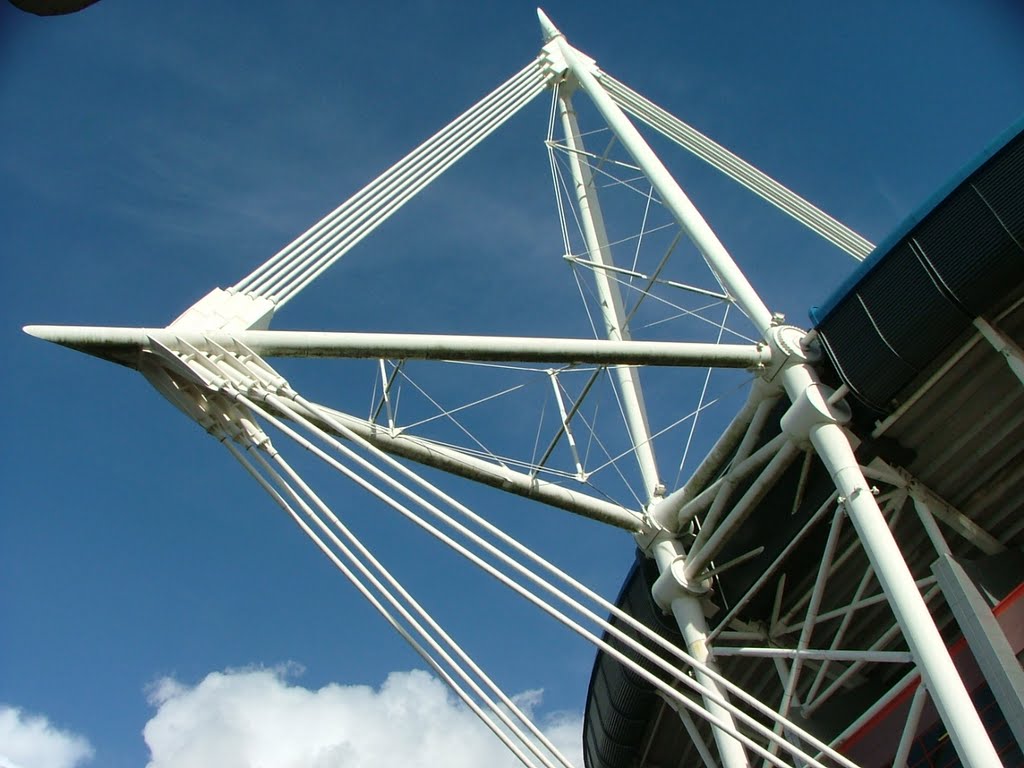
689	615
930	654
811	420
686	607
612	313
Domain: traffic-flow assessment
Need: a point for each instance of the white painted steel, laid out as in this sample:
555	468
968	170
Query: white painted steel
769	652
651	279
810	706
565	428
947	689
837	638
423	346
687	609
288	271
705	669
1004	345
237	375
851	607
770	571
757	460
612	313
668	512
701	556
695	736
728	483
174	361
378	605
817	593
737	169
456	462
621	616
673	198
688	612
701	668
957	521
931	528
910	726
987	640
869	714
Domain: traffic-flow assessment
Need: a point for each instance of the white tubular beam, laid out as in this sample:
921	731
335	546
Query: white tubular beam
910	727
666	510
845	611
689	615
869	714
937	670
672	196
482	471
621	616
575	626
231	372
700	557
792	679
770	571
729	481
960	523
837	638
521	349
612	312
885	657
847	675
751	464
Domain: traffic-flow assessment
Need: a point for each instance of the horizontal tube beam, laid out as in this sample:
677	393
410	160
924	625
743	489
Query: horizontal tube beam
891	657
108	342
455	462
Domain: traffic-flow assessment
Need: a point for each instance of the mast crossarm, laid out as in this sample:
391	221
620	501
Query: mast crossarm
121	343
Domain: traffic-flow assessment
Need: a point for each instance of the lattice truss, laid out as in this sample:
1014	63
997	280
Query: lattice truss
661	296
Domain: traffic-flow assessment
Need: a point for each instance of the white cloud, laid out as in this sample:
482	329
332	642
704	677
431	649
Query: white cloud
256	718
31	741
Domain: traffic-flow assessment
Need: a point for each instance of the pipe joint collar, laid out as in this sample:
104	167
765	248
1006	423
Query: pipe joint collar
812	408
673	584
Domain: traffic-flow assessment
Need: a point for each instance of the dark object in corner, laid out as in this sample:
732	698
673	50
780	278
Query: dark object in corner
51	7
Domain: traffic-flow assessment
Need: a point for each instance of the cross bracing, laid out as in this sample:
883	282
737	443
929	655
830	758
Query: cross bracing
211	364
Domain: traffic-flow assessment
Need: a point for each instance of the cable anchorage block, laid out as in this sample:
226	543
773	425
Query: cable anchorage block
221	310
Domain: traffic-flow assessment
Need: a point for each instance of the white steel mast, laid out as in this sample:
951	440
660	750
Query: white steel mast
210	363
813	419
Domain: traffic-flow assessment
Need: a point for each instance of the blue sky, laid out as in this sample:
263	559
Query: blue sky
155	151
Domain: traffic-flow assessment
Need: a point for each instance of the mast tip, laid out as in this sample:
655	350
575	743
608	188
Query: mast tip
550	30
